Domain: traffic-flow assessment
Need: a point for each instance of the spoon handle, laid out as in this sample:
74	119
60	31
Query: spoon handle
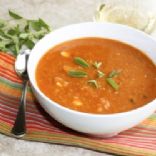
19	128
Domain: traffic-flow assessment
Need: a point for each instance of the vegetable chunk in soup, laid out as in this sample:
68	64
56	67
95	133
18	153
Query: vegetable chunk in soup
97	75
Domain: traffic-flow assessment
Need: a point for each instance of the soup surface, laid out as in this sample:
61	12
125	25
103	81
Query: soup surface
97	75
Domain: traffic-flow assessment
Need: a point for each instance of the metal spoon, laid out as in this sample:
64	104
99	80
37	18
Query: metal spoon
19	128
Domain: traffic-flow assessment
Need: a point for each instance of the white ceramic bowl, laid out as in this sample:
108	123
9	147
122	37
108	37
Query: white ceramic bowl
105	125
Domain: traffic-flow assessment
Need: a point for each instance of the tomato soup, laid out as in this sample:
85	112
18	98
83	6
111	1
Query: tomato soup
96	75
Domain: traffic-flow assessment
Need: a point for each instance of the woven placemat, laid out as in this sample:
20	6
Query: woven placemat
138	141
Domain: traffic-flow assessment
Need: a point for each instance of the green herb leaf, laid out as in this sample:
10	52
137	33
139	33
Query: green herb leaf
43	24
100	74
112	83
77	73
3	44
4	34
2	23
35	25
27	27
97	64
81	62
101	7
30	44
14	15
17	48
24	35
11	48
15	31
93	83
114	73
11	32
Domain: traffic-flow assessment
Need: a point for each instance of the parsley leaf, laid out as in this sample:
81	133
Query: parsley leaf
14	15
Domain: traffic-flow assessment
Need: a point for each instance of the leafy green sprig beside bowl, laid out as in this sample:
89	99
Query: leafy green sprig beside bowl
23	34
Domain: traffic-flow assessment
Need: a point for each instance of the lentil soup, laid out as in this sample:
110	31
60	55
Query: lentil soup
97	75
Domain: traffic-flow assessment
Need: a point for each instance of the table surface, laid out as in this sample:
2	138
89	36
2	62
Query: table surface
56	13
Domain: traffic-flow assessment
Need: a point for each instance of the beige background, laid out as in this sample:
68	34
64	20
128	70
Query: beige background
57	13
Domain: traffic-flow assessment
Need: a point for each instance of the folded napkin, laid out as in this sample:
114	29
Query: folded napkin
138	141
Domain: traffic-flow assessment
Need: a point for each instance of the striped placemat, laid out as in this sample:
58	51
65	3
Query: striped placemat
138	141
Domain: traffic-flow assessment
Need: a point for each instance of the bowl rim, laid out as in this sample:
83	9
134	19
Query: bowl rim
85	113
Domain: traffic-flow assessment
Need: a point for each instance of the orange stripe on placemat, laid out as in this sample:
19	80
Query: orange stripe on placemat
143	132
140	140
9	74
7	58
135	144
9	71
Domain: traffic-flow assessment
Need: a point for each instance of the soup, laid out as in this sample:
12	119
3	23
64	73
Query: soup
96	75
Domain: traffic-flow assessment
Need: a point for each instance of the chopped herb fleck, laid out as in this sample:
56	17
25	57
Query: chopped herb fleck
93	83
131	100
114	73
144	96
100	74
77	73
81	62
97	64
112	83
